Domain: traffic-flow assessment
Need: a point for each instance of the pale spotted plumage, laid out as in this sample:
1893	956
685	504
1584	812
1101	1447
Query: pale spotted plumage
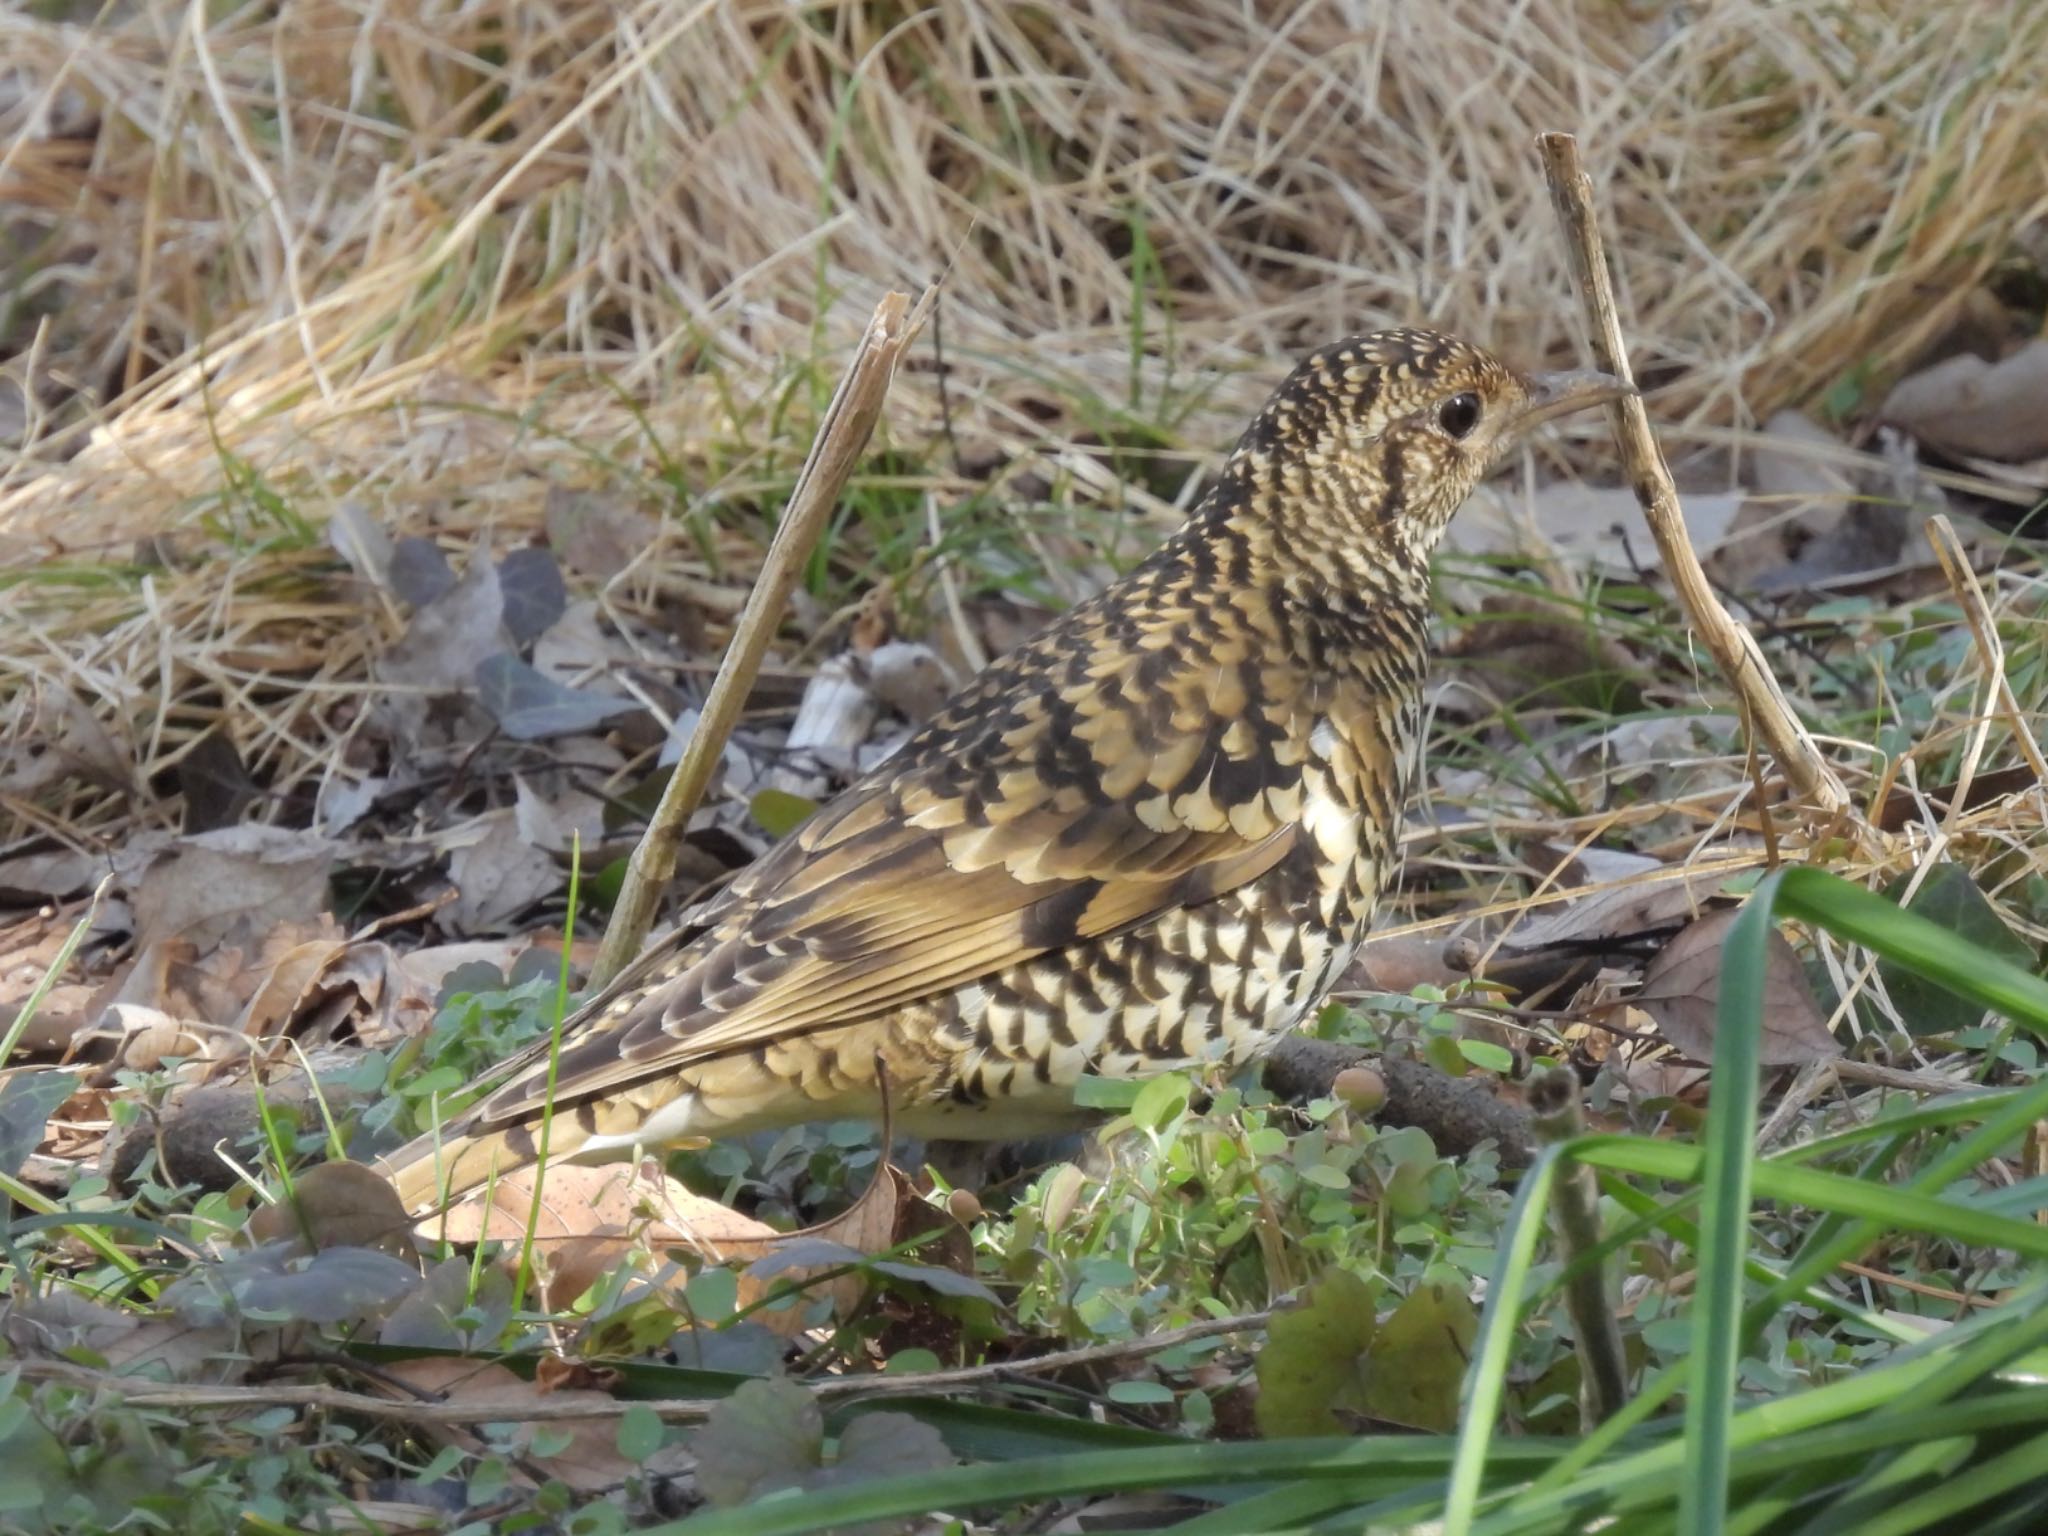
1150	838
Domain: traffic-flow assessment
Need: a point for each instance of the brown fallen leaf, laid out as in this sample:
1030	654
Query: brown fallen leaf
1681	990
1621	911
1965	404
338	1205
593	1218
233	886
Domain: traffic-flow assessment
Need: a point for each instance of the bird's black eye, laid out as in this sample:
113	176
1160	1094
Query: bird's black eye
1459	414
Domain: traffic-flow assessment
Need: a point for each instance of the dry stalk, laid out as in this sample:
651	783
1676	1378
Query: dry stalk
489	1407
1732	646
842	437
1955	566
1575	1212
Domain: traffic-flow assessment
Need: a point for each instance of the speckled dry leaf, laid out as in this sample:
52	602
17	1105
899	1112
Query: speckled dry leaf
1682	989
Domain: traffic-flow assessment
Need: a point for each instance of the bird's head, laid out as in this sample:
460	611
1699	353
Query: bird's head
1362	454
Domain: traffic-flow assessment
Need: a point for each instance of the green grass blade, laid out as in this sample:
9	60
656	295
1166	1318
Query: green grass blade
1724	1217
1486	1378
1850	912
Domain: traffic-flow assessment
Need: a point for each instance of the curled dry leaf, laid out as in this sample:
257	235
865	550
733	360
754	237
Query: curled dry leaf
1682	990
1622	911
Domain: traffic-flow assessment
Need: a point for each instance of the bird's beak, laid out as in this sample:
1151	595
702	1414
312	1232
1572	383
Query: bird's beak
1558	394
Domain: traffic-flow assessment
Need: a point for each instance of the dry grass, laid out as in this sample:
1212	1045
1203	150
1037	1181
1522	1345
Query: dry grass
437	257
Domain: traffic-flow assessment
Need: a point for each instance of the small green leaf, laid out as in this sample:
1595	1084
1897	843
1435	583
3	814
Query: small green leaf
640	1432
1949	897
1140	1392
1106	1092
1160	1099
713	1294
1487	1055
778	812
1441	1052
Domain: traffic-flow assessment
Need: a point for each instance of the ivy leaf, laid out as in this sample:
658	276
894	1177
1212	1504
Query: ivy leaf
767	1435
1310	1364
1415	1364
26	1104
1949	896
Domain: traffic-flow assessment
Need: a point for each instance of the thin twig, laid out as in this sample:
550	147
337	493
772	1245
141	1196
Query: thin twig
489	1407
1962	581
1575	1212
842	437
1732	646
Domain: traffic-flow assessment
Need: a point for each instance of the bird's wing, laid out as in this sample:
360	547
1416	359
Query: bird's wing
1040	827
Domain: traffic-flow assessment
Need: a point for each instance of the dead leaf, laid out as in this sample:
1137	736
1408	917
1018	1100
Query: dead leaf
149	1037
450	635
554	822
337	1204
498	873
595	1217
285	983
1601	524
130	1343
1529	650
232	885
214	783
1616	912
1965	404
1401	963
597	535
1681	990
49	735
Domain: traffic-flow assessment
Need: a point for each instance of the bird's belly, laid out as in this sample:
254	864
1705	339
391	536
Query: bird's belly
1207	987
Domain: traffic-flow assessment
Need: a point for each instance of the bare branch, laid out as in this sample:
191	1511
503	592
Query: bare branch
1732	646
842	437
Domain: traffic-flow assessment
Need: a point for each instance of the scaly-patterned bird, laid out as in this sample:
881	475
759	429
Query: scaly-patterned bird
1150	838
